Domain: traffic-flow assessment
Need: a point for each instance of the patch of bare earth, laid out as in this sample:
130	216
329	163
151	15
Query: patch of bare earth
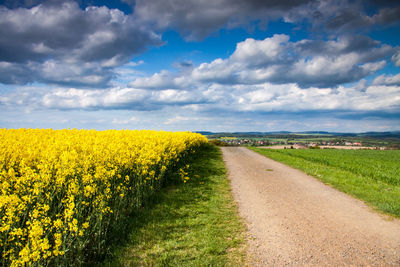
293	219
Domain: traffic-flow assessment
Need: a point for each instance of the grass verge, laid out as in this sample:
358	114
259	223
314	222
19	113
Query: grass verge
190	224
379	194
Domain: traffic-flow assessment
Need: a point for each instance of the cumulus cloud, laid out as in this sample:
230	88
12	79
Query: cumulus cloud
396	59
196	19
115	98
277	60
387	80
270	98
162	80
107	99
57	42
178	119
383	96
346	16
387	15
63	44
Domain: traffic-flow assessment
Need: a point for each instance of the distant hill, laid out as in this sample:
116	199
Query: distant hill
393	134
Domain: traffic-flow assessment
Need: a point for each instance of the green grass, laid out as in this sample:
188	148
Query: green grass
190	224
370	175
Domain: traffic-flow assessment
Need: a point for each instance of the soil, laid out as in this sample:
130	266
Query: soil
294	219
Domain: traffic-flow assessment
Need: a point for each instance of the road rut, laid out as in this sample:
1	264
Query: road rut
294	219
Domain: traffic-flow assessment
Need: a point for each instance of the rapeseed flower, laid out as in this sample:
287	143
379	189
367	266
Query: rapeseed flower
61	189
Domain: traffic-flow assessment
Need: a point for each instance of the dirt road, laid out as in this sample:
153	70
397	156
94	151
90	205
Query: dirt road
293	219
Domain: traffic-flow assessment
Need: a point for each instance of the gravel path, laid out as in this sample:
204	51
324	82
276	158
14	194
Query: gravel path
293	219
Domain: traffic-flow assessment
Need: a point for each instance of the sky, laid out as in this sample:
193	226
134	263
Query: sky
200	65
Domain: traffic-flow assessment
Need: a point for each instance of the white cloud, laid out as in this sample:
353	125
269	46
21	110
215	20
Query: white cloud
265	97
217	107
372	67
291	98
134	64
218	70
124	121
278	60
162	80
269	75
65	45
261	52
116	98
396	59
387	80
177	119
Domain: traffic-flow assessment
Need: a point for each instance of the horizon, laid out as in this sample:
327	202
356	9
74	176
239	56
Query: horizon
311	132
224	66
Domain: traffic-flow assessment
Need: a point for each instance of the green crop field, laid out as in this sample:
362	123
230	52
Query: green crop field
370	175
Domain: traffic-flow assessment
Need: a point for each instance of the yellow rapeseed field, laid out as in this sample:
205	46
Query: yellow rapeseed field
62	190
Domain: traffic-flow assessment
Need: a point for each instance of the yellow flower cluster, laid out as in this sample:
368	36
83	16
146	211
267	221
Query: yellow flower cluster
62	190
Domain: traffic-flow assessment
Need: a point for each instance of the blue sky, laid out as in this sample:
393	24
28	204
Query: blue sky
186	65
